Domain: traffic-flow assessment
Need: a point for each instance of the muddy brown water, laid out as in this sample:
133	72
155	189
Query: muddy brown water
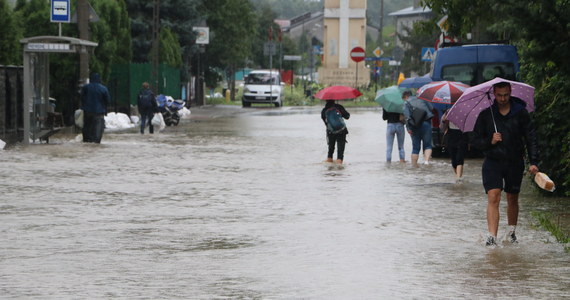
237	204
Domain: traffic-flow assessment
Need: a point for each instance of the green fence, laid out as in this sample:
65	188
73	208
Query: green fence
126	81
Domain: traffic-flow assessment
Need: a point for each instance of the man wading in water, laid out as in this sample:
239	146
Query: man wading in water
504	149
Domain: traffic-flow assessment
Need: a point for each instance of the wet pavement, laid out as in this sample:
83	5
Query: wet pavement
237	204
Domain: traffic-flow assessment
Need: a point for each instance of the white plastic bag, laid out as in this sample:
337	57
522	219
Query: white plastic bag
79	118
158	121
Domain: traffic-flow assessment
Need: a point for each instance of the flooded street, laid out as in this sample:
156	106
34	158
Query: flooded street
237	204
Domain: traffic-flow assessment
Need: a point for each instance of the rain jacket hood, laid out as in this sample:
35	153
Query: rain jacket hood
95	78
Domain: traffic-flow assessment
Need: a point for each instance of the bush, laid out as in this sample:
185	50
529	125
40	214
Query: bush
553	130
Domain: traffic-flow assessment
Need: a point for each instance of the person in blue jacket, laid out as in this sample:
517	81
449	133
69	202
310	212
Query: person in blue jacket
94	100
420	133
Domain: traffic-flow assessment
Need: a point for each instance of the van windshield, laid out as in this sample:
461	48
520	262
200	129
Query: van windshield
262	78
473	74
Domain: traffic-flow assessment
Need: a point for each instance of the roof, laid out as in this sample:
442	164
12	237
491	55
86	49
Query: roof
408	11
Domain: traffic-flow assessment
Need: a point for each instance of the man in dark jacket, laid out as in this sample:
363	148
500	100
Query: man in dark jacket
503	132
335	138
147	107
94	99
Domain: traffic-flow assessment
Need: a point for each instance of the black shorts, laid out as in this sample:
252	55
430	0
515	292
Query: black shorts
504	175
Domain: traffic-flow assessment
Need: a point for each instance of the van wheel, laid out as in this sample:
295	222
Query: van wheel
245	104
278	104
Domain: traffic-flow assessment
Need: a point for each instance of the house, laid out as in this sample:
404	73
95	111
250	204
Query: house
405	19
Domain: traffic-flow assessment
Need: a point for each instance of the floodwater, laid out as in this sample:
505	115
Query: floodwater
237	204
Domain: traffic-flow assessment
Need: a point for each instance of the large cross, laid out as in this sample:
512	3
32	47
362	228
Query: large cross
344	13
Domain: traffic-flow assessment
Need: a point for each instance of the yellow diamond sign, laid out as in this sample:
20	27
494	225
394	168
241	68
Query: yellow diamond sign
378	52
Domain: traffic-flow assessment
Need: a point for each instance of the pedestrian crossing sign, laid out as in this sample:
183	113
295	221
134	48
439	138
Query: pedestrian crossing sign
428	53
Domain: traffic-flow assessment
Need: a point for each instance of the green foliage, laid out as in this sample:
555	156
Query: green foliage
110	36
10	51
553	129
295	96
180	16
170	51
33	18
546	221
416	39
232	28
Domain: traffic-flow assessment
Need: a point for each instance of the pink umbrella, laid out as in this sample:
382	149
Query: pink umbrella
446	92
338	92
475	99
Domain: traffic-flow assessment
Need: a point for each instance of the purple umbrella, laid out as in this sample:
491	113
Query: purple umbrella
475	99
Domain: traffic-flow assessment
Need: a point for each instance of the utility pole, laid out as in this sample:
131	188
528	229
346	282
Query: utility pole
83	27
155	45
380	29
380	33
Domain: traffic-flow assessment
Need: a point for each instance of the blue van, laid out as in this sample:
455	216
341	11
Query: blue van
472	65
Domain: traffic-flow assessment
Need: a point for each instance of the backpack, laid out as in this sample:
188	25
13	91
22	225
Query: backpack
146	99
335	121
417	117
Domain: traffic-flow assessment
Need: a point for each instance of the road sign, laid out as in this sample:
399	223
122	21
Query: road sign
443	24
377	58
202	35
60	11
378	52
443	39
427	53
357	54
398	53
269	48
292	57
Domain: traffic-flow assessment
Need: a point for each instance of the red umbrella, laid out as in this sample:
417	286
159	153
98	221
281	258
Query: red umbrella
446	92
338	92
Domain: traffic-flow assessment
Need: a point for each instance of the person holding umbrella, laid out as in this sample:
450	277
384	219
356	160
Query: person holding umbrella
333	115
418	114
395	128
503	131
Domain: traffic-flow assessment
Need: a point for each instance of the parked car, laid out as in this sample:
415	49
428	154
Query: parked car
263	86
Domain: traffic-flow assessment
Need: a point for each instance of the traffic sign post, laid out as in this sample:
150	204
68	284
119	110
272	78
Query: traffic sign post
59	12
427	53
357	54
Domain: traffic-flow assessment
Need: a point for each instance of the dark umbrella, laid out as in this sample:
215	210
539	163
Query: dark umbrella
415	82
338	92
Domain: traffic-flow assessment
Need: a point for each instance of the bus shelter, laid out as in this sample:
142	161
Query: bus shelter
37	78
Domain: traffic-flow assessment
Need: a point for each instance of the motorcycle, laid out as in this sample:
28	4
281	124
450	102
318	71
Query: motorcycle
169	108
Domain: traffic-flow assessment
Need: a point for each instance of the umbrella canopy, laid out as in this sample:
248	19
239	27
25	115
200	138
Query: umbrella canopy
338	92
475	99
390	99
445	92
415	82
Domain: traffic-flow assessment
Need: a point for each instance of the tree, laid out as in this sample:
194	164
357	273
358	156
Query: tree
10	52
417	38
232	32
170	50
179	16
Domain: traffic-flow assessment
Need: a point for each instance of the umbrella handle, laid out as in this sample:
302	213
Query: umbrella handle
492	114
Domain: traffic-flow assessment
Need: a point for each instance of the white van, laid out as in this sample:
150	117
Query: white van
263	86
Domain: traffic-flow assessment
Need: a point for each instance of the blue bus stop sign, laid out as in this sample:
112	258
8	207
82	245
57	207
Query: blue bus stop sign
60	11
